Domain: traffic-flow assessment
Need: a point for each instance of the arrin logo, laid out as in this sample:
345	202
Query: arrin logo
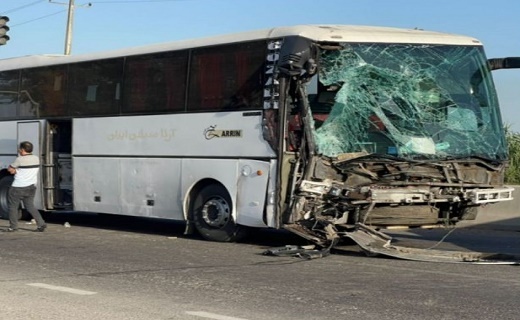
211	132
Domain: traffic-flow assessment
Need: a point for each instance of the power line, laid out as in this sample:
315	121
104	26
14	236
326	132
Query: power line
39	18
58	12
89	4
23	7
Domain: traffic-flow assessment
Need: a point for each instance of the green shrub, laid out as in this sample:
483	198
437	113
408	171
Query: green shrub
513	142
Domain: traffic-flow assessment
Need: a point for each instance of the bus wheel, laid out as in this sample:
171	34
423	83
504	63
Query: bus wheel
5	184
211	212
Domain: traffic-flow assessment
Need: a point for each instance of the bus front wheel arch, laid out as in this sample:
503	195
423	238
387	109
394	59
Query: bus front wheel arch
211	211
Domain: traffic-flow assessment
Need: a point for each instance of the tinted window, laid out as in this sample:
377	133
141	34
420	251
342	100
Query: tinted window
227	77
8	93
95	87
43	92
155	83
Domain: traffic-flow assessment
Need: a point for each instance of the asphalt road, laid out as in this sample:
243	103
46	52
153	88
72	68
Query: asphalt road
129	268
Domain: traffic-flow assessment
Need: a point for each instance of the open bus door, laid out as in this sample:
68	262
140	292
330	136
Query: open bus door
57	175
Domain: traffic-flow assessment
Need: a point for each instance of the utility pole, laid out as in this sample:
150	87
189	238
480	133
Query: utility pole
70	24
68	33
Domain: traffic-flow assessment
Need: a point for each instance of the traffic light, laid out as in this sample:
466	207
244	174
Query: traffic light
3	30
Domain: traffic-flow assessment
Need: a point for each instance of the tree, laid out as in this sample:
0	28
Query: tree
513	142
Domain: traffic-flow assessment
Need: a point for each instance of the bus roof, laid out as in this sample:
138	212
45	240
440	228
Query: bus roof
328	33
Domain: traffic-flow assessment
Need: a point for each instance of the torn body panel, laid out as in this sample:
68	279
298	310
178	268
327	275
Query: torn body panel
387	134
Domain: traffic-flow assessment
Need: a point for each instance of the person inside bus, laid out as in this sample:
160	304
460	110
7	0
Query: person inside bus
25	169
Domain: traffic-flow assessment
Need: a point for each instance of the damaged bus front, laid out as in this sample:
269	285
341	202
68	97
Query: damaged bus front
384	134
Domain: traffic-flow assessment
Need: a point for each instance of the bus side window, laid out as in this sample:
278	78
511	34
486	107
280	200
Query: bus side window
94	87
8	94
227	77
155	83
43	92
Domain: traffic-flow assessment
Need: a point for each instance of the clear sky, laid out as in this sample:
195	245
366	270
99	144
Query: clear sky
38	27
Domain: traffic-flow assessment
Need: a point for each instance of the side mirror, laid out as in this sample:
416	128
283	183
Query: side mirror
504	63
296	55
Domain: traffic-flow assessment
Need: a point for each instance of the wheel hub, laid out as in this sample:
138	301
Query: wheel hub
216	212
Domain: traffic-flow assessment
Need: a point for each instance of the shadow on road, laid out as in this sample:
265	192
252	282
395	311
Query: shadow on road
489	222
164	227
478	238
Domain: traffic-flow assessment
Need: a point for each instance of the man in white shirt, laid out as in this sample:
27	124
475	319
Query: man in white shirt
25	169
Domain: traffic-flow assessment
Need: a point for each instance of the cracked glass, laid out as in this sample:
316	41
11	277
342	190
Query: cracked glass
407	100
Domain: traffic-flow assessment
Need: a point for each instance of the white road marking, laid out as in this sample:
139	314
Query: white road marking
208	315
63	289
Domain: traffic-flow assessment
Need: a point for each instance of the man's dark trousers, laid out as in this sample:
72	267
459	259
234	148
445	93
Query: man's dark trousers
25	195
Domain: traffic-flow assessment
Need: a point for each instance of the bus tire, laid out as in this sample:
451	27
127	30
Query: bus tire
5	184
211	211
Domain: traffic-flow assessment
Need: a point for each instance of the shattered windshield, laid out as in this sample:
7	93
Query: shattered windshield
406	100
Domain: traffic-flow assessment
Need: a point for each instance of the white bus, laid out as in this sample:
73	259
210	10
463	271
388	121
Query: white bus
316	129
